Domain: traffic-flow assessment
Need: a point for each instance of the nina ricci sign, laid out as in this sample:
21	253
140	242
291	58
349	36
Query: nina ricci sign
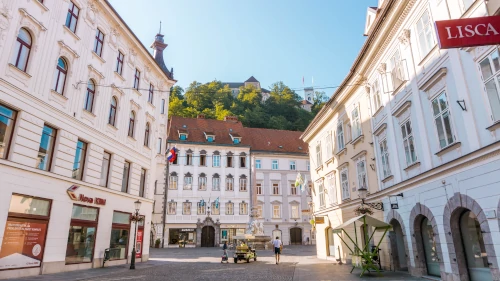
82	198
468	32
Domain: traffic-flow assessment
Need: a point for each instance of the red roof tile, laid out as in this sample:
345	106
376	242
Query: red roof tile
275	140
196	129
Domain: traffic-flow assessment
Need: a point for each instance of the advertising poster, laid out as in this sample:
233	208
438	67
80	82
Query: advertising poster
22	244
138	244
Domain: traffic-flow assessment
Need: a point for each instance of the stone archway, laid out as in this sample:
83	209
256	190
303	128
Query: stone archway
455	207
208	221
417	216
398	247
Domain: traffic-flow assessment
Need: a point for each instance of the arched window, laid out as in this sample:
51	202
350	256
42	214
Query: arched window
60	76
146	135
89	98
112	112
22	49
131	124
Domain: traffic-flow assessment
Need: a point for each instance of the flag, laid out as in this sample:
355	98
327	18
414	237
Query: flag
299	180
303	184
217	203
302	80
202	202
172	155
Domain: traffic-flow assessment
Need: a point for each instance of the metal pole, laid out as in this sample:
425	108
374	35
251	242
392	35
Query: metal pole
132	261
164	220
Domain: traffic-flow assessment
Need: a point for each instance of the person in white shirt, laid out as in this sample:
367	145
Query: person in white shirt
277	248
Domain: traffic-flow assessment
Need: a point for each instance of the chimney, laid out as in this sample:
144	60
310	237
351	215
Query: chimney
201	116
158	47
231	118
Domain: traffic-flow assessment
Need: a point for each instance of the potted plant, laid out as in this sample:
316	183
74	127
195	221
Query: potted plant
157	243
362	210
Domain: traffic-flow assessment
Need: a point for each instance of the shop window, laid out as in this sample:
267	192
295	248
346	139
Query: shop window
82	231
119	236
25	232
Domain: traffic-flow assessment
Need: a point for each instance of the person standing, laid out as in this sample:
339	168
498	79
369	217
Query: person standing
224	247
278	245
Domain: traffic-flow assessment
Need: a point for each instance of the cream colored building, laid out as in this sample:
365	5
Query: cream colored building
82	103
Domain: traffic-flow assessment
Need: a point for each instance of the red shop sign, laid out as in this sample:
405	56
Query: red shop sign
468	32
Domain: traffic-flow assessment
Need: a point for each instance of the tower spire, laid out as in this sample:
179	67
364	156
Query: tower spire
160	28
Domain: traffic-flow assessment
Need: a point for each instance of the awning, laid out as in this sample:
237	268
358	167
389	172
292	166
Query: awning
371	221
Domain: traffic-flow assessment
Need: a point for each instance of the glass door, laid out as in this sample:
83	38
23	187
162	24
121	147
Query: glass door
331	243
429	243
475	251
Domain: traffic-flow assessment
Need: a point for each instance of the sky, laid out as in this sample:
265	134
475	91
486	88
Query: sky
273	40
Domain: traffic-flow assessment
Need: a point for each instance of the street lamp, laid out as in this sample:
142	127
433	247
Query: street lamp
135	218
362	193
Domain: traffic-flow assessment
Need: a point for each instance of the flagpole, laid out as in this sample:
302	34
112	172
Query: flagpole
167	168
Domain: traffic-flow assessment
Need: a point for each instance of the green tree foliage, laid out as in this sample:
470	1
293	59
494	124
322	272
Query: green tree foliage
216	100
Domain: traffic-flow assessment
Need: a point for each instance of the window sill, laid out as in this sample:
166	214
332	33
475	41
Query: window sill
448	148
428	55
18	70
137	91
88	115
378	110
57	97
398	88
71	32
131	138
343	150
147	147
358	139
98	57
416	164
119	76
329	161
42	5
388	178
493	127
319	168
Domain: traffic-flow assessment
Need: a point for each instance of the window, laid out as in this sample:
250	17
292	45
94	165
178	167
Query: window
467	4
229	184
203	160
202	183
112	112
162	106
210	138
259	188
340	136
183	136
188	182
22	50
490	72
131	124
275	165
409	146
202	209
377	103
229	161
243	208
229	208
137	78
308	164
397	71
361	169
172	182
293	189
99	42
332	191
321	195
125	178
186	208
46	148
106	162
329	148
72	17
243	184
276	211
295	211
79	163
215	209
384	155
292	165
82	232
216	160
243	161
142	183
120	231
189	158
146	135
60	76
158	146
119	63
442	119
424	34
356	124
216	183
319	162
89	98
259	211
276	188
151	93
258	164
344	182
236	140
172	208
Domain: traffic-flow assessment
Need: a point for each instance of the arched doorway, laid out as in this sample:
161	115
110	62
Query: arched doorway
331	242
207	236
296	236
429	248
398	249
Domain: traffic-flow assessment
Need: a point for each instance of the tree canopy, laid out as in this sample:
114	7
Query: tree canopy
216	100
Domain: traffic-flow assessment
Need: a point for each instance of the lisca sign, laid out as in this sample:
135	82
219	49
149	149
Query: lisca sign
468	32
82	198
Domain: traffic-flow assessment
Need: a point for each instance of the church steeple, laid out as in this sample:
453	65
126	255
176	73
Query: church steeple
158	46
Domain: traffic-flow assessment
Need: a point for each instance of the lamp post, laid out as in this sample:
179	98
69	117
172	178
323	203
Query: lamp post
362	193
135	218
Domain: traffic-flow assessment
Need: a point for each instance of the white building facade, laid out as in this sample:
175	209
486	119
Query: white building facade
77	143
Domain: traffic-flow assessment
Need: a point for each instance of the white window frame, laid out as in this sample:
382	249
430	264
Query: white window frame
296	207
188	183
258	188
356	123
243	184
346	193
340	136
428	28
321	194
384	158
216	184
243	208
329	146
318	155
397	70
308	165
293	189
276	188
201	210
493	98
189	159
185	209
331	191
440	116
293	165
362	173
275	164
215	211
158	146
216	161
258	164
229	208
173	182
259	211
376	95
172	208
229	184
276	211
202	183
406	142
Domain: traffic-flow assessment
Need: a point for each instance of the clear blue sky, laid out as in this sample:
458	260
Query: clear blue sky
273	40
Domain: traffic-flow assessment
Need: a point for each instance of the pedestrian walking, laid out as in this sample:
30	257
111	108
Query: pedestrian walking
224	247
278	246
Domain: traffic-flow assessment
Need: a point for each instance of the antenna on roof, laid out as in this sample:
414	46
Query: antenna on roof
160	28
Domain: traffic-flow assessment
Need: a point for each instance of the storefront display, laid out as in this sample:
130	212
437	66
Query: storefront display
182	236
120	232
82	231
25	231
140	238
227	234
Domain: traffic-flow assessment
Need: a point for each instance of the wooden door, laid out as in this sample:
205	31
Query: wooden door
296	236
207	236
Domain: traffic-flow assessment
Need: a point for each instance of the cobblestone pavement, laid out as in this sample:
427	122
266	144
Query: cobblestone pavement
297	263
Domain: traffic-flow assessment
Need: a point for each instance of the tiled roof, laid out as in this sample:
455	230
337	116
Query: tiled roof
264	90
233	85
275	140
304	102
196	129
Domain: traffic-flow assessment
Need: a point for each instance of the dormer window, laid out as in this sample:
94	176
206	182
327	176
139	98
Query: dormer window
183	134
236	141
235	137
209	136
